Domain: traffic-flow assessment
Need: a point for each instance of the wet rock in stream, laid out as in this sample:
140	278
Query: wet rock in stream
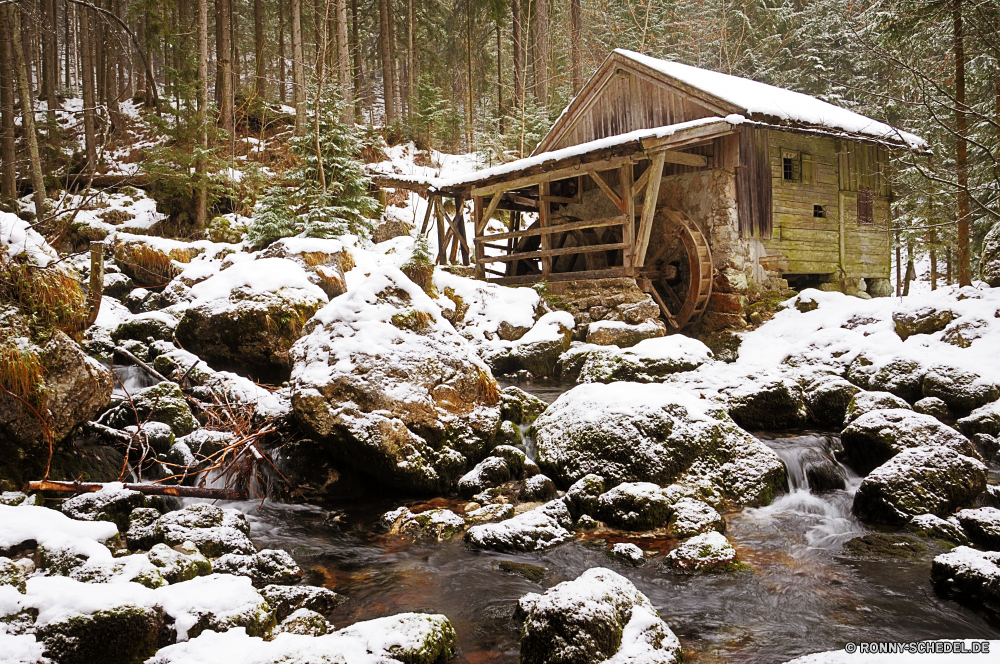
878	545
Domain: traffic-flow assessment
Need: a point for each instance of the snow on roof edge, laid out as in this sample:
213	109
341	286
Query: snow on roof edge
759	98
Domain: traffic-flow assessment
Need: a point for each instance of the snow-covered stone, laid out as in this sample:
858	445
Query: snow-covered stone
628	553
324	261
305	622
536	529
962	390
136	568
598	617
519	407
537	488
581	498
874	438
390	388
767	403
490	513
405	638
865	402
141	533
709	552
692	517
925	320
969	576
985	419
634	506
266	567
163	402
439	524
11	575
644	362
920	480
828	398
490	472
630	432
215	531
112	503
179	565
934	407
622	334
538	350
285	600
901	376
935	527
982	526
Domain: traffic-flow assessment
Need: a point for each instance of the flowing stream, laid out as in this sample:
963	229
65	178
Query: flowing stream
805	594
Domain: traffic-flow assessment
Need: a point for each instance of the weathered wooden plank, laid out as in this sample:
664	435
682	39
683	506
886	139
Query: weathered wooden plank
558	172
648	209
558	228
549	253
599	181
544	220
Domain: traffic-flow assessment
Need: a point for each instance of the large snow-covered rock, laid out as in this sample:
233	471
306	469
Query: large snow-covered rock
214	530
644	362
629	432
931	479
708	552
536	529
985	419
962	390
325	261
982	526
405	638
385	384
247	317
538	350
828	398
767	403
112	503
969	576
877	436
634	506
865	402
598	617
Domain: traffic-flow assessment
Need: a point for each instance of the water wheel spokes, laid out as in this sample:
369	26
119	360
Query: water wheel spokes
678	271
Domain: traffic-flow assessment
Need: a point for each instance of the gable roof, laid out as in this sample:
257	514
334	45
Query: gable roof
722	94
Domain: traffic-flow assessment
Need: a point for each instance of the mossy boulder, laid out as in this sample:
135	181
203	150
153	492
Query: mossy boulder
982	526
924	320
900	376
634	506
630	432
146	327
828	398
519	407
985	419
121	635
581	498
690	517
11	575
934	527
163	402
709	552
285	600
141	531
215	531
865	402
590	620
267	566
179	564
969	576
250	333
963	391
112	503
439	524
921	480
882	546
877	436
768	403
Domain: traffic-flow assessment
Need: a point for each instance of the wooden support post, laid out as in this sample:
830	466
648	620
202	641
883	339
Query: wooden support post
477	223
628	208
648	209
427	215
442	244
460	224
599	181
544	208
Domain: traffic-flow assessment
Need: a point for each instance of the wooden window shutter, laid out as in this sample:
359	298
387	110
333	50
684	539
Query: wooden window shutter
808	168
866	212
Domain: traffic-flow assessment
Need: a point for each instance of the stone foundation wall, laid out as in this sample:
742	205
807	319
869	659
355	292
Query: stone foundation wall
616	300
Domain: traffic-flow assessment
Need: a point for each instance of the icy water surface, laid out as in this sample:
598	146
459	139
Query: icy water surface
804	594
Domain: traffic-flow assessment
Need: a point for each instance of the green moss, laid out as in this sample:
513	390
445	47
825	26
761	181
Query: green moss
530	572
878	545
123	635
415	320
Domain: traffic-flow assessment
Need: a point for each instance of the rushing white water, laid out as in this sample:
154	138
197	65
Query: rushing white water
133	379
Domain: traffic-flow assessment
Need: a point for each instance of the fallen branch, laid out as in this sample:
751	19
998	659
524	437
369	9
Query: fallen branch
150	370
147	489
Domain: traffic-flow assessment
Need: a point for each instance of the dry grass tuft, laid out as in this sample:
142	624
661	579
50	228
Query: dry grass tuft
487	387
147	265
51	296
22	374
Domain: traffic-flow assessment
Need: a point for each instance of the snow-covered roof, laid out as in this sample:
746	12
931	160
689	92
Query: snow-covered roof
757	99
585	149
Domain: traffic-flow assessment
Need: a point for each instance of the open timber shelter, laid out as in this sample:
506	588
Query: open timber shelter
697	185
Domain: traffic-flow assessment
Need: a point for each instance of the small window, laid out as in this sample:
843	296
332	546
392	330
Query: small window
791	166
866	216
819	212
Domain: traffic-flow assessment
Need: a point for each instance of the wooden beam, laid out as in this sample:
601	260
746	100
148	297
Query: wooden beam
460	228
562	276
683	158
477	218
648	209
442	242
560	173
544	219
549	253
688	137
625	175
640	184
559	199
522	200
663	308
560	228
147	489
427	215
455	229
490	209
599	181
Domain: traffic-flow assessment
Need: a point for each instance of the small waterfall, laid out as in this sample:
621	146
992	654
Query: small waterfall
133	379
809	461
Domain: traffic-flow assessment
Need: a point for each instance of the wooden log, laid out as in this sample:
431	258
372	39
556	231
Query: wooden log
96	291
427	215
626	174
648	210
549	253
459	225
560	228
442	242
146	489
477	217
544	220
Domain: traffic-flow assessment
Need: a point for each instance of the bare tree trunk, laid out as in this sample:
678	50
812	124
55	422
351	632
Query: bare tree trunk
260	84
899	269
387	62
111	76
397	89
224	48
411	51
356	53
961	150
202	213
517	39
541	56
68	41
50	57
933	256
27	113
298	84
344	64
8	152
574	45
499	77
471	99
282	65
89	88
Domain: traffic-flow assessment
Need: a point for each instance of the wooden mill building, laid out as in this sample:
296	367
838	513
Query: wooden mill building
686	180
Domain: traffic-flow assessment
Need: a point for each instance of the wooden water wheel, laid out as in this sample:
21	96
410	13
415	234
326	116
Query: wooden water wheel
678	269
